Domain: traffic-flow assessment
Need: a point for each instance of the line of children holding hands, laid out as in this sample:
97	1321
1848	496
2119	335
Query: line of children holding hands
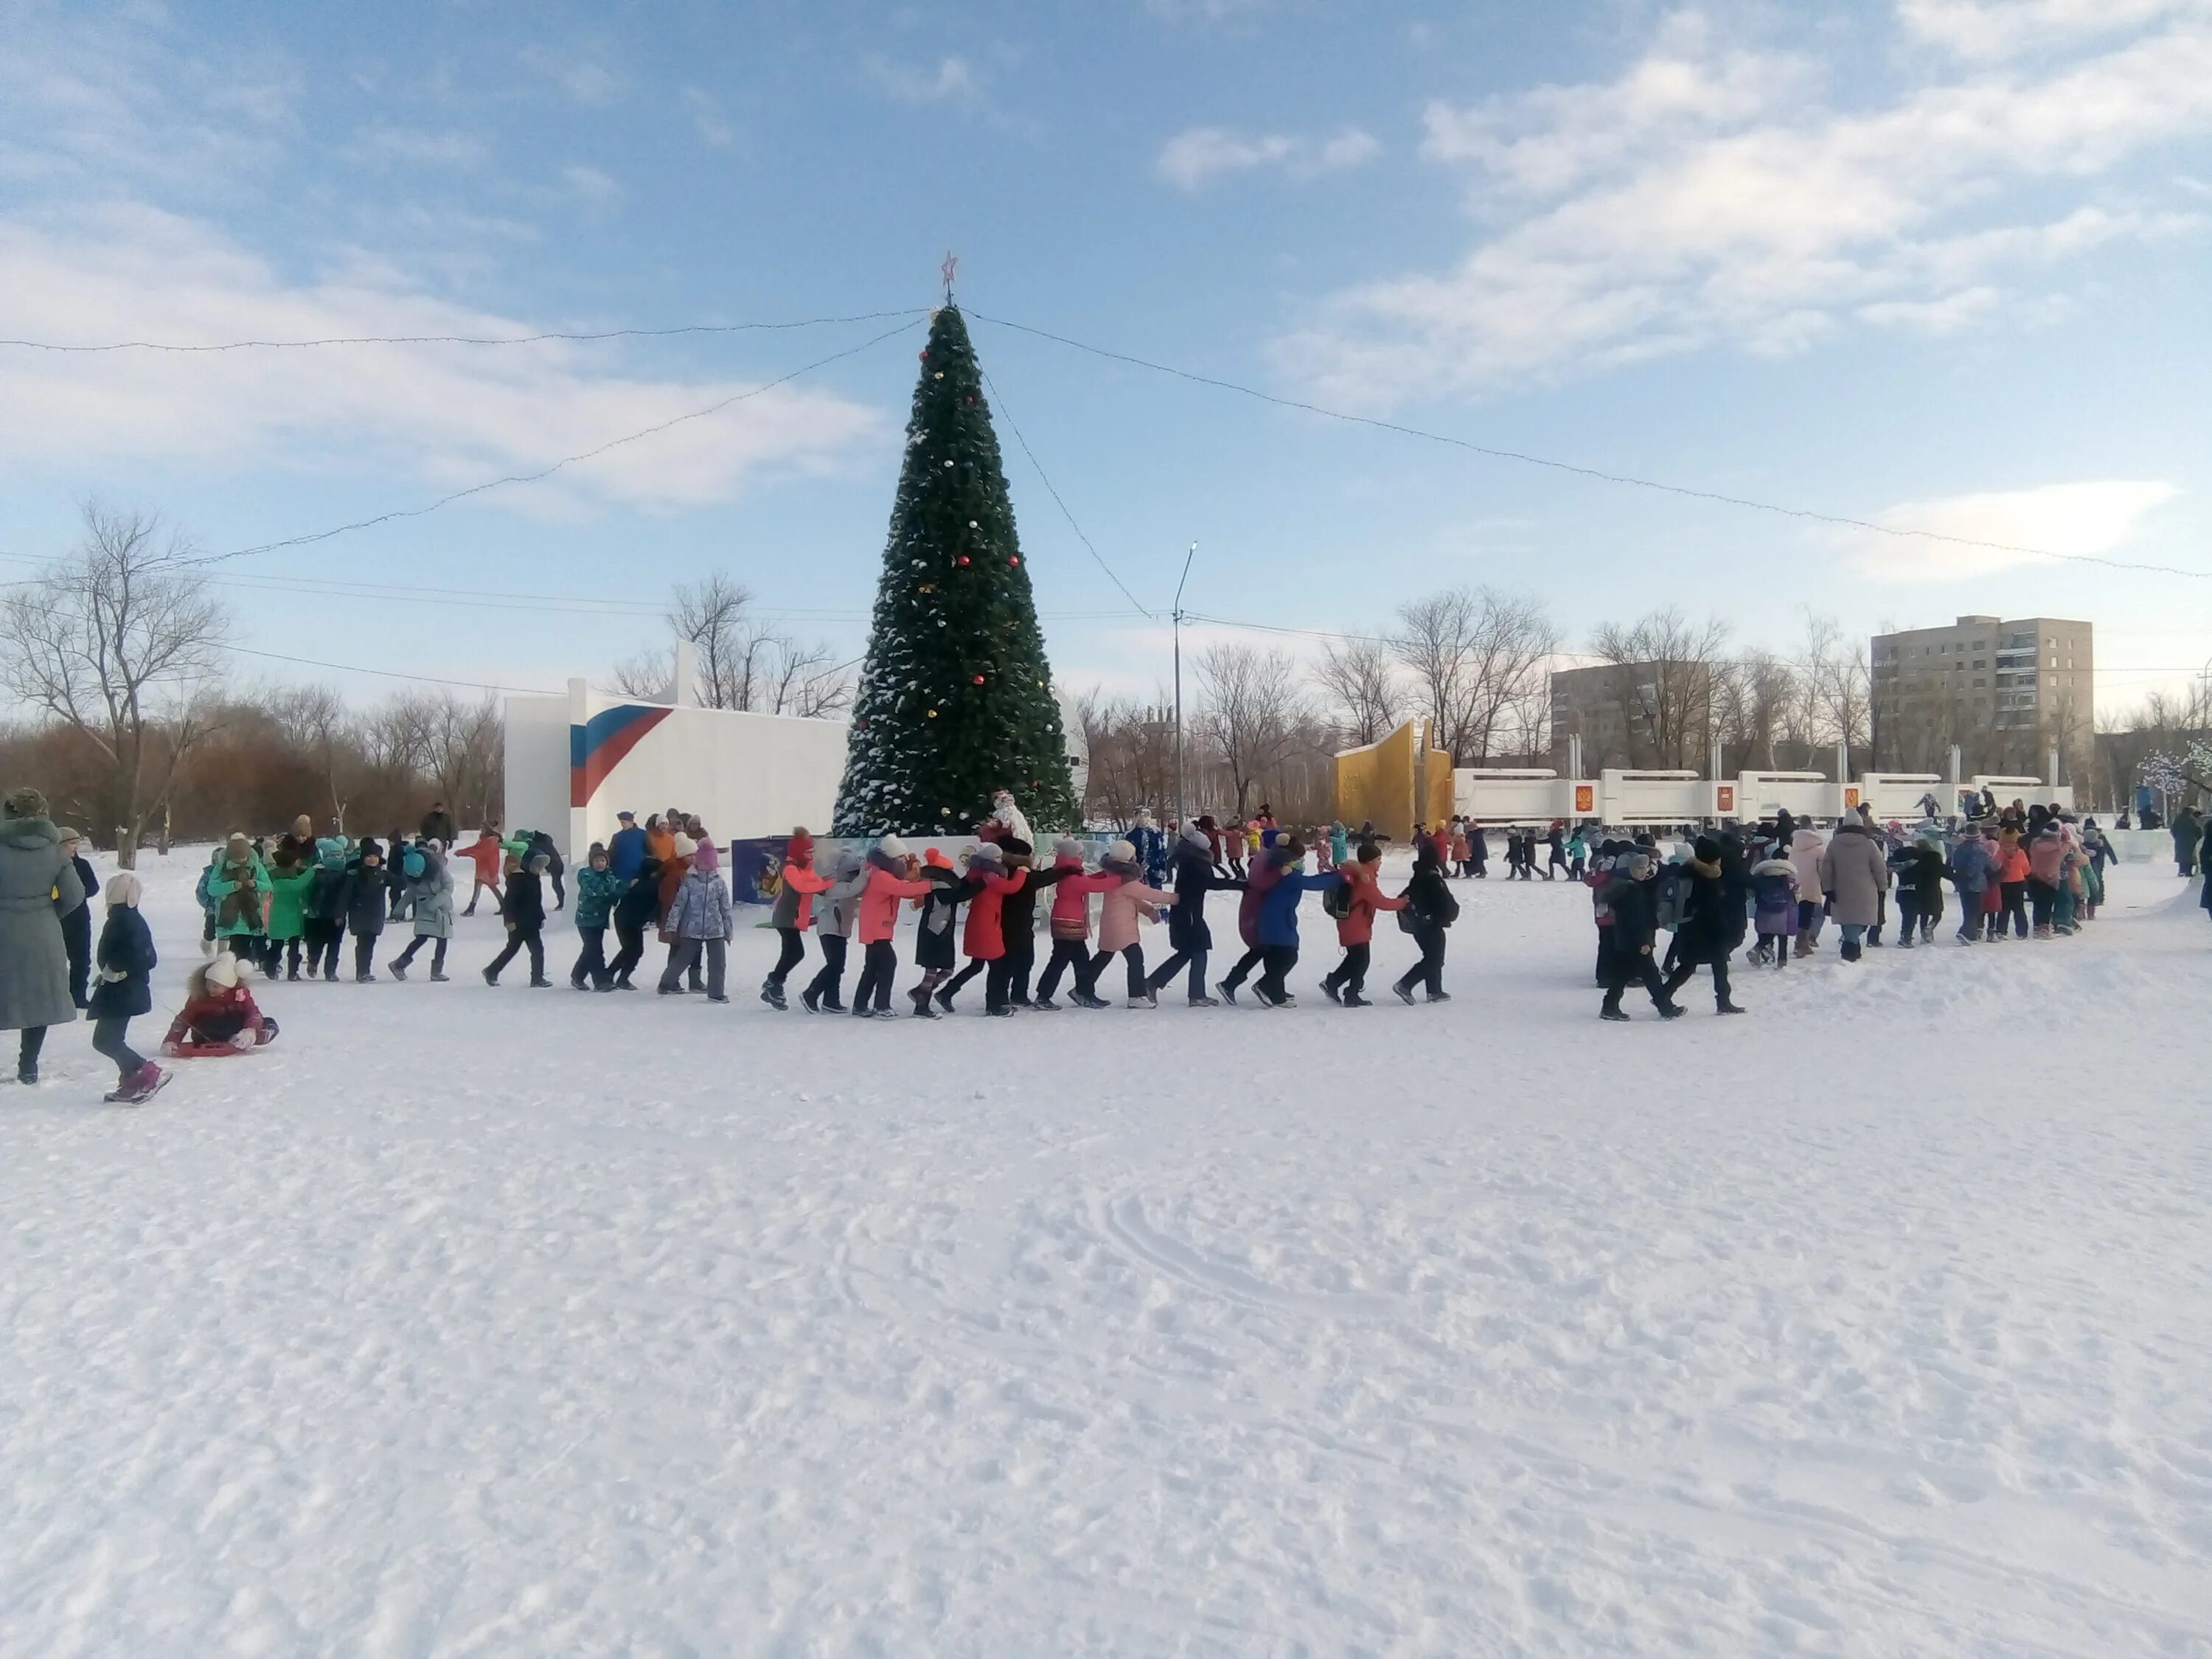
1002	884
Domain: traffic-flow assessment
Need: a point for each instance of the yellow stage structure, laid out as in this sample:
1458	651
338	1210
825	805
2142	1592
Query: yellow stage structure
1375	783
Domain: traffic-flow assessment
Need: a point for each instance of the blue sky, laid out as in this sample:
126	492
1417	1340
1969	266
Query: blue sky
1940	263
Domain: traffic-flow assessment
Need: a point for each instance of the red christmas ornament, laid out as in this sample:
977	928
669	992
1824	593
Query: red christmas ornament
1014	558
979	679
963	558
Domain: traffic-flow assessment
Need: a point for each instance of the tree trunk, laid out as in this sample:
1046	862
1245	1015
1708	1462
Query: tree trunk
168	813
126	847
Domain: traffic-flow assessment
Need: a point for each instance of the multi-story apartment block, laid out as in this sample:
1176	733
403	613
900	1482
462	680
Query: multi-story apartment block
2005	692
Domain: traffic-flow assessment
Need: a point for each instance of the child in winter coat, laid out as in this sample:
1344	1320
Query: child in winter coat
1428	898
76	925
219	1015
836	910
240	888
289	879
1188	936
1774	894
1127	904
933	931
322	912
890	879
126	962
1071	924
1362	896
433	914
522	907
983	942
488	855
1577	855
597	887
704	923
365	901
1278	919
633	916
797	884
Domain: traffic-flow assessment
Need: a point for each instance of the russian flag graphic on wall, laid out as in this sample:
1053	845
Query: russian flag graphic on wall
597	747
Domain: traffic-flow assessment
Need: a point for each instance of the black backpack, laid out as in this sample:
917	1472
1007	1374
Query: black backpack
1336	902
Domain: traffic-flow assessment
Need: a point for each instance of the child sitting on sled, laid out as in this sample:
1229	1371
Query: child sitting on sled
219	1015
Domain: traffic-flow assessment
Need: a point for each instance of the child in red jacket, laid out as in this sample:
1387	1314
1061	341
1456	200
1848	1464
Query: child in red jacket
1355	924
219	1016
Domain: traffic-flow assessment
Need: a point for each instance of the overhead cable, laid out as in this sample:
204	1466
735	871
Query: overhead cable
1622	478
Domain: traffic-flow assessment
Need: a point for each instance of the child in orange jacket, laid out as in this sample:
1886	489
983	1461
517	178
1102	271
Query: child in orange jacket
1362	897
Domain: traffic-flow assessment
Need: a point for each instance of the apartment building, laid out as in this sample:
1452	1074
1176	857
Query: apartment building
2005	691
1636	715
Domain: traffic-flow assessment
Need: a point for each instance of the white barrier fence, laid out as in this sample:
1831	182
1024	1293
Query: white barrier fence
1502	796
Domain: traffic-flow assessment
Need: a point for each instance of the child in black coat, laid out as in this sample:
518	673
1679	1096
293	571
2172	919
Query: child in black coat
126	962
523	907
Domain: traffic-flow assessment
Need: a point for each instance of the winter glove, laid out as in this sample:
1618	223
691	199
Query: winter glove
244	1039
114	976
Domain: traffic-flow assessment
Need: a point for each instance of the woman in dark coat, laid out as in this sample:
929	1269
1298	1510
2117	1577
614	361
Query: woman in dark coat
38	887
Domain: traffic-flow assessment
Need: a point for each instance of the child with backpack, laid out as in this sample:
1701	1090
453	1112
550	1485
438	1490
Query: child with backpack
1429	909
125	960
1353	905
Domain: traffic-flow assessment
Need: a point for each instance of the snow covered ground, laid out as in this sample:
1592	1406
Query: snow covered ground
482	1322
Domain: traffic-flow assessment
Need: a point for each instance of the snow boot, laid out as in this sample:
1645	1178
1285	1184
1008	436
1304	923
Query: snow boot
810	1000
1848	952
541	984
1353	1000
142	1085
1329	991
1439	996
398	970
1203	1002
1727	1008
772	994
1045	1005
944	1000
1611	1013
1404	992
1672	1011
437	978
1228	992
491	979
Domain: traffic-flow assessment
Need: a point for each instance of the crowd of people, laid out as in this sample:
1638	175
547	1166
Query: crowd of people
2025	871
1769	891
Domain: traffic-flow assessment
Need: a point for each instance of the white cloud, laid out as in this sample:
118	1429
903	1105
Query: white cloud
708	119
1195	157
1711	195
448	415
949	80
2095	518
583	78
2002	28
595	188
418	147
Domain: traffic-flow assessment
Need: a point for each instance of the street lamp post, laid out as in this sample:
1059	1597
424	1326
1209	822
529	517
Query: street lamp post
1182	814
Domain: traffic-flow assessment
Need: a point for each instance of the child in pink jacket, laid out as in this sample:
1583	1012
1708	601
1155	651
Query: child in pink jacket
1127	902
1071	924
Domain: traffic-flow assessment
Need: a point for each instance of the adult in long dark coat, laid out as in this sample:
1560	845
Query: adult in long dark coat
38	886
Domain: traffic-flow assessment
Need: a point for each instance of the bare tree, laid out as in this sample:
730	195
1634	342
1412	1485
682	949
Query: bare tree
1249	713
1752	699
313	720
1662	683
740	662
1132	748
112	641
1476	658
1358	679
1836	688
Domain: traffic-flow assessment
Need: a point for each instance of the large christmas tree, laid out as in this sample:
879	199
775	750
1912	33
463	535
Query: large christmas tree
956	699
